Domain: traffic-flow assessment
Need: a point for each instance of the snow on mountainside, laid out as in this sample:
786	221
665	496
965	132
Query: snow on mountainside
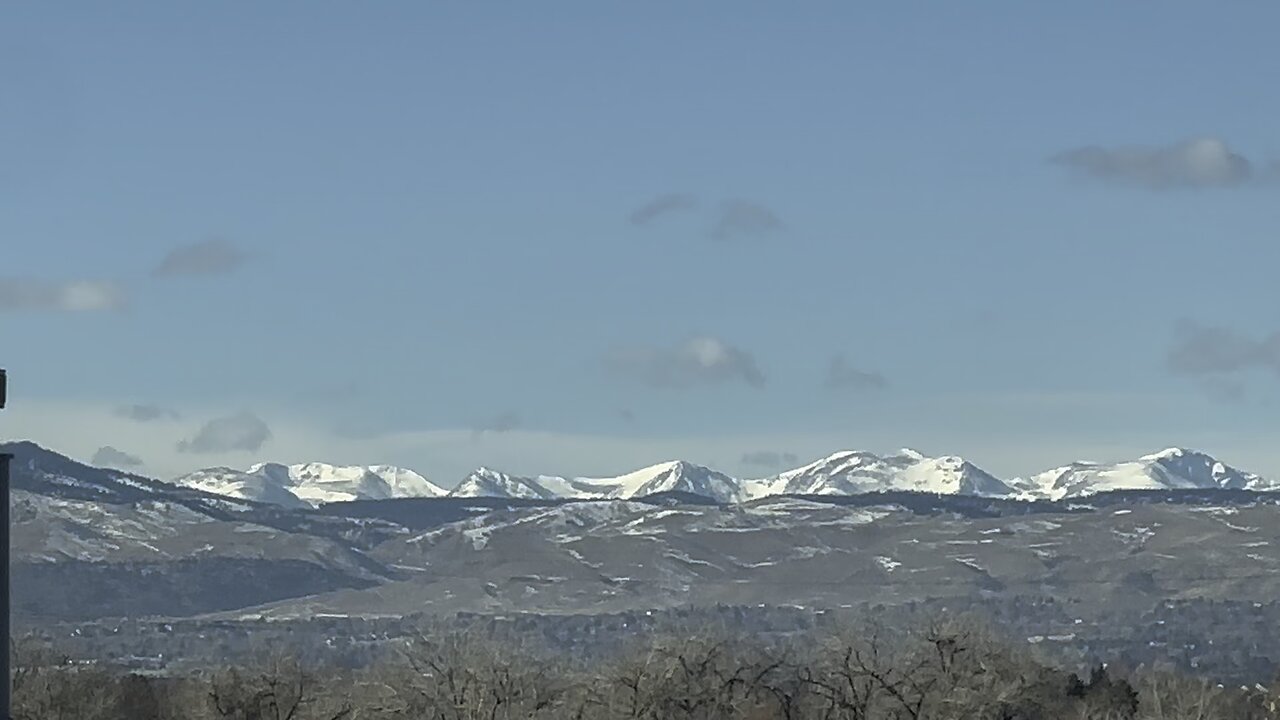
844	473
1171	469
255	486
847	472
311	484
484	482
320	483
676	476
40	471
853	472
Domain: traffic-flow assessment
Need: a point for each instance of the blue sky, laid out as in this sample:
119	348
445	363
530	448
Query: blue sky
406	232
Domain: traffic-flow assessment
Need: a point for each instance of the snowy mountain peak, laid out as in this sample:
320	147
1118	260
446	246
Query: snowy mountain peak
847	472
259	484
853	472
677	476
910	453
668	466
1170	453
1169	469
311	484
671	476
487	482
275	472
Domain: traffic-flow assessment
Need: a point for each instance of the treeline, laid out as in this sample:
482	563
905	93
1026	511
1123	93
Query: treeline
944	671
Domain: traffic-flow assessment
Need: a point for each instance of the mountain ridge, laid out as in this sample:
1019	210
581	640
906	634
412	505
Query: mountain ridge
1169	469
846	472
311	484
134	546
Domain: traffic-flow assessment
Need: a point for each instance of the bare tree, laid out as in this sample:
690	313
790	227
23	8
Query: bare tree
703	678
50	686
458	677
944	670
1166	696
280	689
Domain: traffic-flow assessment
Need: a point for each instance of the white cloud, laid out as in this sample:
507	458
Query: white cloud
241	432
1209	350
64	296
501	423
742	218
209	257
840	374
107	456
662	205
699	360
1198	163
146	413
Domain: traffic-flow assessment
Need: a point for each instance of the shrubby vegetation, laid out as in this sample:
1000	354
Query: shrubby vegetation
943	670
1235	643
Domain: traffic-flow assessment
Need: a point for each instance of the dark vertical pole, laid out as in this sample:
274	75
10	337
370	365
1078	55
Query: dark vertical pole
6	678
5	673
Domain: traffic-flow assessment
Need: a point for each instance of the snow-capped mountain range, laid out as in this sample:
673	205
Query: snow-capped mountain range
184	552
677	476
842	473
311	484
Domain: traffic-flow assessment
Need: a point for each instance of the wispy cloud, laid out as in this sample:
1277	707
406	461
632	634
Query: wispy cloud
1224	389
146	413
731	219
108	456
1205	162
840	375
215	256
769	459
19	294
662	205
1203	350
501	423
242	432
699	360
744	218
